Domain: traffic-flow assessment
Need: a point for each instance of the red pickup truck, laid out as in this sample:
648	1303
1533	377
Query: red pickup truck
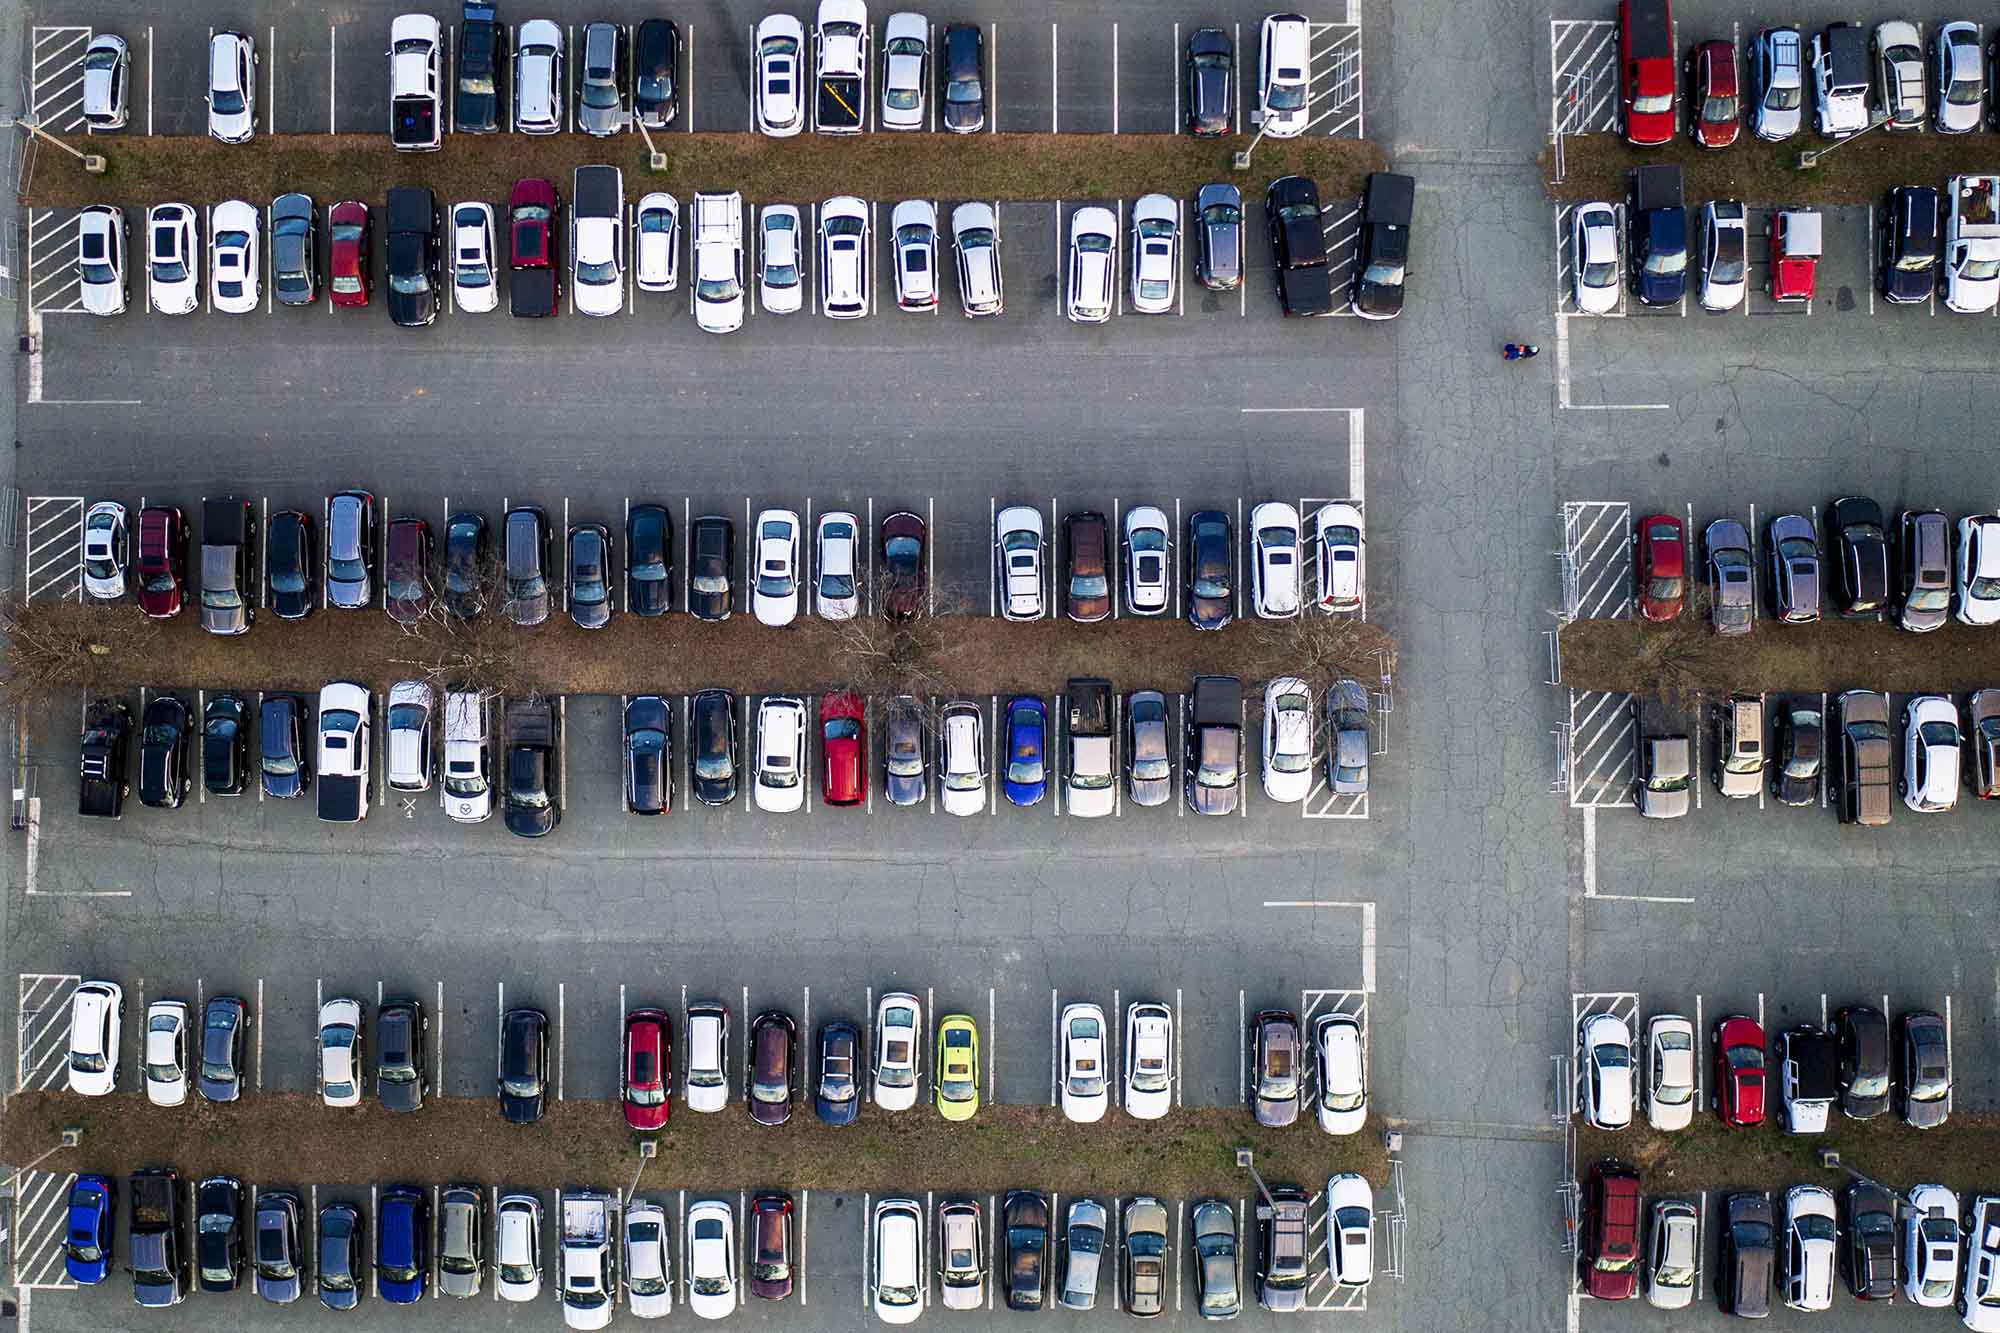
534	285
1646	71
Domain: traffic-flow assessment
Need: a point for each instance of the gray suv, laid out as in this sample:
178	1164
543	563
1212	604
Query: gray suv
461	1234
1794	544
1285	1250
1924	545
600	96
350	547
527	556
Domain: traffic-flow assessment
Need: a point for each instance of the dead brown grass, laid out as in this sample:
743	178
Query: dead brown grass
144	171
1832	655
1599	166
1707	1156
677	654
290	1137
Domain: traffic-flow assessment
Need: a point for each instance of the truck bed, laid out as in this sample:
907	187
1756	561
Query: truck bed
597	192
1656	185
413	122
531	292
411	208
837	109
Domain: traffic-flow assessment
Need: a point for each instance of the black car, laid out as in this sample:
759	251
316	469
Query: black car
289	555
1926	1073
524	1065
466	577
1749	1256
837	1099
1801	752
711	743
1218	229
527	557
402	1071
218	1233
964	72
649	752
649	555
656	62
590	575
482	57
1210	69
281	755
711	559
163	753
280	1279
1861	566
1862	1034
768	1082
1869	1257
340	1256
1025	1219
224	1025
1910	245
1210	569
224	739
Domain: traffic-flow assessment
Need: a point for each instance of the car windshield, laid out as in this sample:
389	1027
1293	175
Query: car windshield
1979	270
656	221
724	288
1719	110
781	275
714	766
1603	273
599	93
774	585
1653	105
1664	263
906	759
1984	588
226	101
1092	243
1917	261
1211	583
596	274
1286	96
1782	97
648	740
1026	764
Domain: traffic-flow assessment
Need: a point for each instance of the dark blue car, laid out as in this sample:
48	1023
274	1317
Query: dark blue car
837	1099
1660	255
1027	749
87	1252
403	1230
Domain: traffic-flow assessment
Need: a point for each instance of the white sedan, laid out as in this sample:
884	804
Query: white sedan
914	226
96	1020
711	1259
1093	264
899	1046
1605	1053
166	1052
1725	250
1084	1091
1342	1104
235	273
648	1276
1149	562
843	257
836	590
781	749
906	70
1930	1246
1350	1230
517	1248
659	246
1149	1060
1275	548
105	546
1669	1072
1288	740
780	282
774	590
173	259
780	95
1156	253
100	259
475	285
340	1057
1338	530
1593	257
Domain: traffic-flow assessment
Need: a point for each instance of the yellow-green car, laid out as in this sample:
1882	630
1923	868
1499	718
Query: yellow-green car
957	1067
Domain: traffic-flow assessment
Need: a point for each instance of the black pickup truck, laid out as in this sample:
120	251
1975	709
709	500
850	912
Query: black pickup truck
1298	243
482	54
1382	258
1214	759
412	256
159	1260
107	732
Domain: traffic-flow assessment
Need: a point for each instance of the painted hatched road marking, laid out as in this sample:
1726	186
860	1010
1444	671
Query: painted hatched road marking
1601	769
55	547
55	287
41	1210
41	1031
1583	64
55	92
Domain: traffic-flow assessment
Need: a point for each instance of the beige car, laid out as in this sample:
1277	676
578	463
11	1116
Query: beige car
1143	1269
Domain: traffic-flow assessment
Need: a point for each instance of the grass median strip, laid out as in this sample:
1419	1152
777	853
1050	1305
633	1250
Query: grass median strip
1684	656
673	654
1599	166
1707	1156
275	1138
144	171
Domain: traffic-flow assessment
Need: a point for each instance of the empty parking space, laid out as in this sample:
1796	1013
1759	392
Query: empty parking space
40	1206
1583	58
55	548
41	1043
55	77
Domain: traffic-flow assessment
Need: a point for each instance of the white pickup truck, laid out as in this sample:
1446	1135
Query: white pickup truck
718	262
1972	245
344	730
589	1285
415	94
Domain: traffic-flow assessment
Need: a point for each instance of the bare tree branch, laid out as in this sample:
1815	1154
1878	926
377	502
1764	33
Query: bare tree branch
65	645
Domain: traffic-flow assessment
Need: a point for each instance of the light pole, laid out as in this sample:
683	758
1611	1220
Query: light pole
656	159
92	162
1245	1159
1830	1159
1242	163
70	1139
1809	158
648	1150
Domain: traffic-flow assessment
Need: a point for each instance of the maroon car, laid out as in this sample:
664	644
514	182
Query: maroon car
1087	584
771	1247
772	1038
906	579
1611	1237
1715	113
162	561
535	284
408	580
348	264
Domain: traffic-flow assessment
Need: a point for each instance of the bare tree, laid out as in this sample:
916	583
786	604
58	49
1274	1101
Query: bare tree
916	654
481	651
1320	649
64	645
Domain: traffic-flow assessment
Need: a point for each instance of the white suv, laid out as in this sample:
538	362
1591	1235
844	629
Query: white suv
1931	747
962	745
467	790
1156	253
1093	264
975	235
1930	1246
96	1019
1275	565
538	78
781	754
1288	740
517	1248
410	735
1284	100
1806	1256
232	87
913	226
843	257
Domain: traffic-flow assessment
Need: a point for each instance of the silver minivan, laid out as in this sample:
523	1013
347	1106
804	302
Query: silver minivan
1083	1252
538	78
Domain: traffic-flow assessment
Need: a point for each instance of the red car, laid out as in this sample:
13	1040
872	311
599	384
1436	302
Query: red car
1661	567
1717	114
348	261
844	748
162	561
1611	1238
1795	250
648	1069
904	571
771	1247
408	577
535	285
1739	1071
1646	65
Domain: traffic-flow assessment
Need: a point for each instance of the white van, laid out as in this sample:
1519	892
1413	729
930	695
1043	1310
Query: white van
467	790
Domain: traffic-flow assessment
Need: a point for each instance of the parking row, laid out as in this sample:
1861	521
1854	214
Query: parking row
186	263
1099	76
1154	1047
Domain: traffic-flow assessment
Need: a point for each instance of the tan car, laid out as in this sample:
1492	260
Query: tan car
1144	1269
1738	766
1864	760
